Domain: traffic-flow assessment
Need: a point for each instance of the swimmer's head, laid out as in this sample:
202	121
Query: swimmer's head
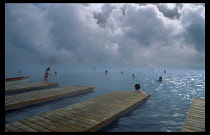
48	69
137	86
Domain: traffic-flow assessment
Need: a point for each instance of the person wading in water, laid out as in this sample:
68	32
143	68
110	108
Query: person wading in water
46	73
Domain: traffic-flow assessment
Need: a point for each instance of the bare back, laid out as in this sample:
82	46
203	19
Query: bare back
140	91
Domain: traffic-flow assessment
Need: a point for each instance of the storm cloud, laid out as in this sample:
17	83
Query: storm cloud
134	34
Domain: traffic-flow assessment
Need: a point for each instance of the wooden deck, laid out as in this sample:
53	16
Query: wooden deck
20	100
195	121
85	116
29	86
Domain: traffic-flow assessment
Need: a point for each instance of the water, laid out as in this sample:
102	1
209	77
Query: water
164	111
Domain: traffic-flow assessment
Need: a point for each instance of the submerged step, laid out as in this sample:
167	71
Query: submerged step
20	100
29	86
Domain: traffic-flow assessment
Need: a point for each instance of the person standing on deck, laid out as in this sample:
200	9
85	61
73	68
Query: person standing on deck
137	87
46	73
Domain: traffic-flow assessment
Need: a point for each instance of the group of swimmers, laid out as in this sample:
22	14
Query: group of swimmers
160	78
137	86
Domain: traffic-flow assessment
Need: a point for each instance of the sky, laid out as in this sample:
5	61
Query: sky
110	34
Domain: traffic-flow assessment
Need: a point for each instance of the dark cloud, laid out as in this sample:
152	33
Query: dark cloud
102	16
134	34
193	18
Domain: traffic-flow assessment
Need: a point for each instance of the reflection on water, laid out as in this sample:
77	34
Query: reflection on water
164	111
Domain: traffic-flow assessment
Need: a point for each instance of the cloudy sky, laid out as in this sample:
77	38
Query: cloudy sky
163	34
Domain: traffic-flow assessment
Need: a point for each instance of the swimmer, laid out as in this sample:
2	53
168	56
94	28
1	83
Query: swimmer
137	88
46	73
160	79
106	72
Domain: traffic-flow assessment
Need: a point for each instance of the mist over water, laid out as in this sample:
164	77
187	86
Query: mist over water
164	111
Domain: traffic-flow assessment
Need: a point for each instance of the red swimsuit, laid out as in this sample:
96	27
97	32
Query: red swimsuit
46	75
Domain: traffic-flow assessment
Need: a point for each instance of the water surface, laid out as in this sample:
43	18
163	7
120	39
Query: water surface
164	111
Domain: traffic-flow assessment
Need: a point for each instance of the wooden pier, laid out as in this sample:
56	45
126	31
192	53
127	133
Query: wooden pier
20	100
85	116
195	121
29	86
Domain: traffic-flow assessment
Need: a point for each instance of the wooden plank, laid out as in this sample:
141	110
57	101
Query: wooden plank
44	93
194	129
60	119
60	124
6	130
42	123
51	125
29	86
89	115
98	111
110	119
97	115
185	129
23	127
80	117
197	111
50	92
13	128
20	100
86	111
34	126
195	123
79	120
195	120
100	107
74	124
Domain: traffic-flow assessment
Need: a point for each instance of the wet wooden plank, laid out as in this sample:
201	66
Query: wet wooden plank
13	128
24	127
29	86
81	118
80	121
66	127
48	124
195	120
34	126
89	115
6	130
74	124
61	120
20	100
97	112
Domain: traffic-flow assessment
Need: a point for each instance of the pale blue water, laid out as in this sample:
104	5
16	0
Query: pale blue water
164	111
